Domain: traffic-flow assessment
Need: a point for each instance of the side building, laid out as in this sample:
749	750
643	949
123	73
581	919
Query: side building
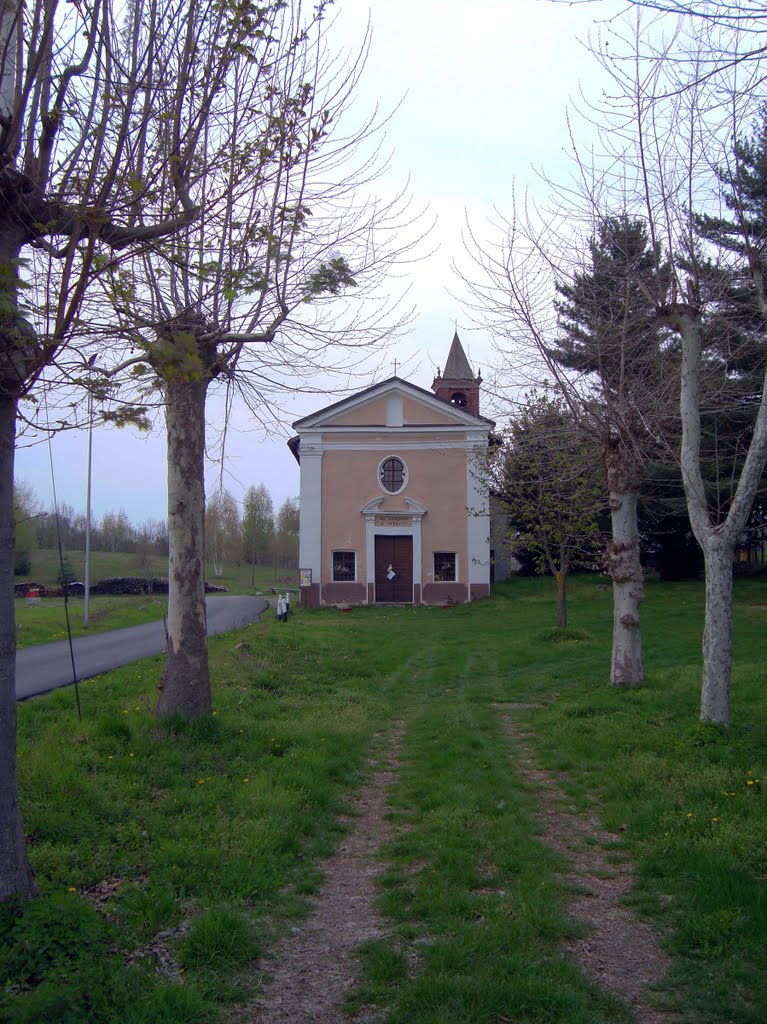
393	507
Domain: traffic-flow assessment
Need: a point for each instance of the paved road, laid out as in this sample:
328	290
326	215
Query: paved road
48	666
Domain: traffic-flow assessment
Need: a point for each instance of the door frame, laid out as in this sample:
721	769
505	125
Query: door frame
411	527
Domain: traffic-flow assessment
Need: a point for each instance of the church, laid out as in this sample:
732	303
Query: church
393	507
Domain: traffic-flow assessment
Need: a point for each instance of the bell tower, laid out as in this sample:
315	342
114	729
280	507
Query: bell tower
457	384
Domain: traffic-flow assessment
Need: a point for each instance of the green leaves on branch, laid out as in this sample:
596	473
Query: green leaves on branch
329	279
177	355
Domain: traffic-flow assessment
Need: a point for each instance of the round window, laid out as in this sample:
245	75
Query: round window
391	474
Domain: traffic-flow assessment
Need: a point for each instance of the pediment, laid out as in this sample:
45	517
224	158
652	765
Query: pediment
413	508
393	404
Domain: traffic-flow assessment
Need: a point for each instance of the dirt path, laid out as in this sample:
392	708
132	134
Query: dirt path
313	968
620	952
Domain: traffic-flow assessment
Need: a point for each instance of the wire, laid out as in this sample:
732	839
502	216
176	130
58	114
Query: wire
64	581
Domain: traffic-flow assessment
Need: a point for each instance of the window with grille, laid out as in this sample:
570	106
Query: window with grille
344	566
392	475
444	567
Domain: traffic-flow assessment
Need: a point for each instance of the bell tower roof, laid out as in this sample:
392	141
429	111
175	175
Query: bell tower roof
457	366
457	384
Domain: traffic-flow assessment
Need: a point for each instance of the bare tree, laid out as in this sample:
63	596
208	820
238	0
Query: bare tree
223	531
568	313
285	553
607	331
249	295
668	146
102	108
257	527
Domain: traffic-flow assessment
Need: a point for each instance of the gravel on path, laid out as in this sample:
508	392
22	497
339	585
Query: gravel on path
312	969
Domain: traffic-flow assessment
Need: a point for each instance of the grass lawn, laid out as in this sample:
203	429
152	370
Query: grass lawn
201	841
44	622
106	564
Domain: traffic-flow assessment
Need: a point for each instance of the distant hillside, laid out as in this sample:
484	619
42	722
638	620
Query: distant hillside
105	564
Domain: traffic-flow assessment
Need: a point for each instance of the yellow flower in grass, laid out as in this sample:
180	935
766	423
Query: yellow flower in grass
72	888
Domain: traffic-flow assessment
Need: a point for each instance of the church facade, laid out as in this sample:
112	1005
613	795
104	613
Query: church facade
393	506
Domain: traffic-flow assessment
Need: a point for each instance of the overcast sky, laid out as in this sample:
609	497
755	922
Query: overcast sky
484	92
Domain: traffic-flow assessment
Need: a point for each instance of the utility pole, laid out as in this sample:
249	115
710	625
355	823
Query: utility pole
87	580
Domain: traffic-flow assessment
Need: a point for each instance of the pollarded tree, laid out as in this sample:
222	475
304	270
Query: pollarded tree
102	108
543	476
571	315
610	334
744	236
670	125
248	297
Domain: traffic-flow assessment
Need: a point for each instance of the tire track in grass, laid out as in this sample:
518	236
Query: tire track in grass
620	953
314	967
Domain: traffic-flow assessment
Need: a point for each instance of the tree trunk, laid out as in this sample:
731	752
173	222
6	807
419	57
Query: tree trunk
561	579
625	568
717	541
717	632
16	876
185	687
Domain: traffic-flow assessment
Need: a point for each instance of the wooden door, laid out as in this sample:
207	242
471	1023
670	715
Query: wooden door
394	570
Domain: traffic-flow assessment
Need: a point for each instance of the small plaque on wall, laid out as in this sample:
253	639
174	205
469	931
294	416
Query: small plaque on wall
394	520
304	577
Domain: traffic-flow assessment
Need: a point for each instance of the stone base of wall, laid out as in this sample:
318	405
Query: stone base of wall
343	593
444	593
360	593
